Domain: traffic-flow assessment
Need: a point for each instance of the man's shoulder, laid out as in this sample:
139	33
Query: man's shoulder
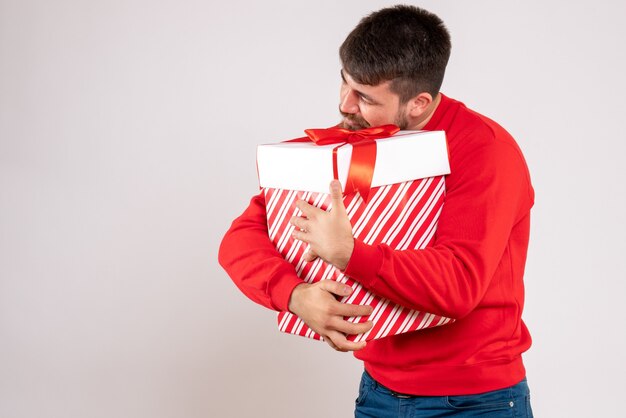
464	121
477	140
465	126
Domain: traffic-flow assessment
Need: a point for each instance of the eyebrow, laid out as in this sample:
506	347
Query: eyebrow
359	92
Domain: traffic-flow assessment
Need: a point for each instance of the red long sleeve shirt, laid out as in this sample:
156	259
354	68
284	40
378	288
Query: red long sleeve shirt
473	272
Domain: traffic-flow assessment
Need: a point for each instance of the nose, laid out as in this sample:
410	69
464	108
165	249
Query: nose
349	102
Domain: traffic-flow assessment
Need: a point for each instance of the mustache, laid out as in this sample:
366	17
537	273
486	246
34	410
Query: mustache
354	119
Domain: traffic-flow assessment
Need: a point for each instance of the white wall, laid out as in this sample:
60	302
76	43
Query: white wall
127	145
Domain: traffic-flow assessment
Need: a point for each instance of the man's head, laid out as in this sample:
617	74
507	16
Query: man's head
393	66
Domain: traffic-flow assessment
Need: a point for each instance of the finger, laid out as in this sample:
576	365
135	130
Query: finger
342	343
300	223
347	309
350	328
335	288
337	196
310	255
300	236
330	343
307	209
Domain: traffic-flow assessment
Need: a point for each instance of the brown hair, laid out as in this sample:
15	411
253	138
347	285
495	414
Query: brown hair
406	45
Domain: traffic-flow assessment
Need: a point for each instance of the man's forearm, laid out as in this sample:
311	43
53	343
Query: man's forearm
252	261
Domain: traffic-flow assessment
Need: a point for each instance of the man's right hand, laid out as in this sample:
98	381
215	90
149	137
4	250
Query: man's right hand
317	306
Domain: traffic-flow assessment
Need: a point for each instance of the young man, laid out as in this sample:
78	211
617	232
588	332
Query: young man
393	66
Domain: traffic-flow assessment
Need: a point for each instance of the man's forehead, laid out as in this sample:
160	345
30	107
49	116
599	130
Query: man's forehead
350	80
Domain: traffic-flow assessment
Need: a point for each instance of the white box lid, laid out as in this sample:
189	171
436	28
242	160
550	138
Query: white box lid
408	155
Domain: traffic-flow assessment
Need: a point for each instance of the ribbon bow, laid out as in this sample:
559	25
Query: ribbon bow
363	158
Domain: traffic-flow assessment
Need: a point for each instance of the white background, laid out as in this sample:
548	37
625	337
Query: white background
127	146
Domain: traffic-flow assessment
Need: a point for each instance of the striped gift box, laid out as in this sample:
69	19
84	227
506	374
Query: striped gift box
402	215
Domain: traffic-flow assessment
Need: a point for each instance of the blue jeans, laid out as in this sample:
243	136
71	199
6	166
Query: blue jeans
376	401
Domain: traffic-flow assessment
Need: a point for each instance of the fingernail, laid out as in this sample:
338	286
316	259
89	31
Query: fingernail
347	290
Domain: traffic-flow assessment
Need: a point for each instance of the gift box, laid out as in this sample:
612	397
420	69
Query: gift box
397	202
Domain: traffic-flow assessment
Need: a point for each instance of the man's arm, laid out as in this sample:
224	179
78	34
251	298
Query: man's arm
252	261
488	194
264	276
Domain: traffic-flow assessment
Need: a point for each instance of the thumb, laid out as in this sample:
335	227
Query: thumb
335	288
336	195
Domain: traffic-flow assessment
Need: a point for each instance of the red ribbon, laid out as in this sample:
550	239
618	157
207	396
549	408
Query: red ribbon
363	159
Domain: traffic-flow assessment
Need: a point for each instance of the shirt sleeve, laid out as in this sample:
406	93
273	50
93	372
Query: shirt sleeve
488	192
252	261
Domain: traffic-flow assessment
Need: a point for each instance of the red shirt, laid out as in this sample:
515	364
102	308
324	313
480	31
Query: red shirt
473	272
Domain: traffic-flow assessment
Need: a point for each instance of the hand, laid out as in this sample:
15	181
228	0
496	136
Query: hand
317	306
329	234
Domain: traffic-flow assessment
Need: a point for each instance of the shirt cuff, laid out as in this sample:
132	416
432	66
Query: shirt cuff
280	290
364	263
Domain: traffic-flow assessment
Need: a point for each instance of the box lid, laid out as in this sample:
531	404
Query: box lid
408	155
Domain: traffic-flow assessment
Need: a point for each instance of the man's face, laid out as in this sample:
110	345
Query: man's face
363	106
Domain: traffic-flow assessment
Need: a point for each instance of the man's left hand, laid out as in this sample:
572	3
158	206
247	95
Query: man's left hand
329	234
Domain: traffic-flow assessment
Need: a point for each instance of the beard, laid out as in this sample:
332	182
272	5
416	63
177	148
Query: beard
356	122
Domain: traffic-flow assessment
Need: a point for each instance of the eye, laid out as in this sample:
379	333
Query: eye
364	99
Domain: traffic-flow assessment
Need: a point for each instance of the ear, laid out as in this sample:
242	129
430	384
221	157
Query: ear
419	104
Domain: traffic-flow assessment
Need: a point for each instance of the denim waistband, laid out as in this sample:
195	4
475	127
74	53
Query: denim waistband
400	395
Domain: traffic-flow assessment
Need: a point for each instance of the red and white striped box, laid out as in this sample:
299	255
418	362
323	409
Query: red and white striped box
402	212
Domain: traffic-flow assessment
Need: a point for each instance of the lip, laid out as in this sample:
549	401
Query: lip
351	125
